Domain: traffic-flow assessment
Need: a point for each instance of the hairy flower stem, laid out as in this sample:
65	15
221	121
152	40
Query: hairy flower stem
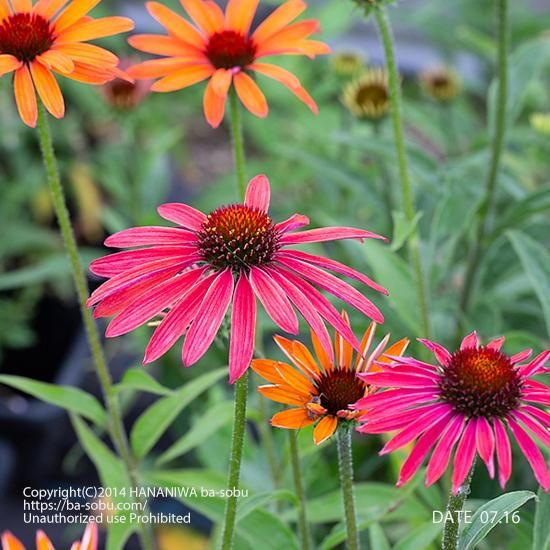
305	535
488	203
116	426
345	466
233	476
406	188
455	505
241	385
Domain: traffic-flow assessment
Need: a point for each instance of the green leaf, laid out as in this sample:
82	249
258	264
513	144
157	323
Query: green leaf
214	419
112	474
488	516
403	229
541	533
536	263
138	379
66	397
150	426
421	537
377	538
262	499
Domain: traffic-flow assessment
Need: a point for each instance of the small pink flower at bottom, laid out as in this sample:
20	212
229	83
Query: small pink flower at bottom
192	273
472	399
89	540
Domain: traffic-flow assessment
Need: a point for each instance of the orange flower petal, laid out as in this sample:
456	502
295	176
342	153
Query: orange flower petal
25	97
164	45
48	8
56	60
91	75
175	24
364	346
88	54
304	359
395	350
75	546
89	539
303	96
283	395
324	429
213	105
155	68
182	78
239	14
8	63
276	73
95	28
209	19
320	352
296	380
281	17
292	419
48	89
250	95
267	368
344	350
221	80
4	9
43	542
10	542
21	6
74	12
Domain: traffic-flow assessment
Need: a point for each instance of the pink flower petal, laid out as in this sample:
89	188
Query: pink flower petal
521	356
323	234
542	416
485	442
540	431
470	341
294	222
379	399
143	236
394	421
464	455
394	405
390	379
243	325
333	266
536	364
496	344
324	307
182	214
258	193
537	397
442	452
425	442
208	318
152	302
304	306
335	286
441	354
434	414
504	452
532	454
274	300
177	320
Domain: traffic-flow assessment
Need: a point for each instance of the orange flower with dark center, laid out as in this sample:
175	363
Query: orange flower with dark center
36	41
322	391
220	47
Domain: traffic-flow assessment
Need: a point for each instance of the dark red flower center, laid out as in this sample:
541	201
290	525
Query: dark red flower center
339	388
228	49
238	236
481	382
25	36
122	94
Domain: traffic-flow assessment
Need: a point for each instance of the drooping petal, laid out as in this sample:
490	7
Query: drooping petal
464	455
258	193
25	97
208	318
539	430
470	341
221	82
182	214
292	419
504	452
542	416
485	442
8	64
243	324
324	429
48	89
213	106
274	300
277	73
250	95
57	61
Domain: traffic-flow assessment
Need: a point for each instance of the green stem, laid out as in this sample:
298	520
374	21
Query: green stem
455	505
386	182
488	203
233	476
238	143
116	426
345	465
406	188
305	535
